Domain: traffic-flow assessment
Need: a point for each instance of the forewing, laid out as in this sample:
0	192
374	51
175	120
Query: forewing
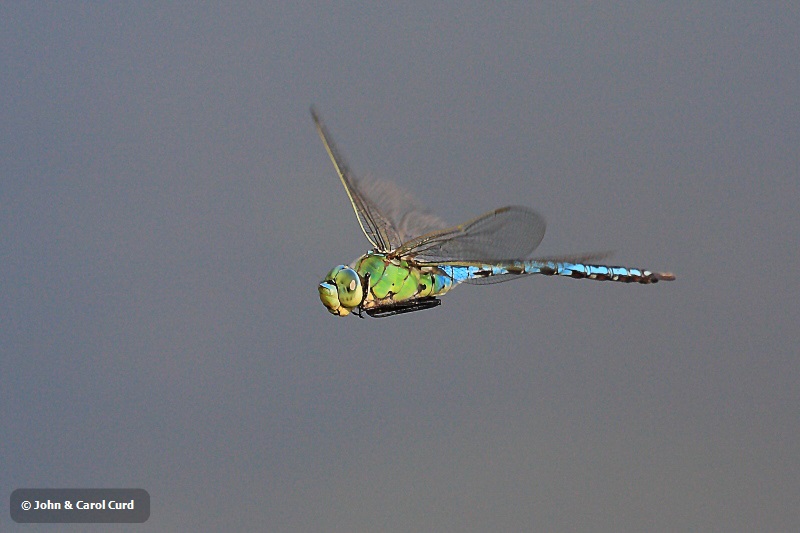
377	227
507	233
407	217
388	215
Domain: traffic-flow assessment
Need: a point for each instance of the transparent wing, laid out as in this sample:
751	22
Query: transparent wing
408	218
503	234
375	226
387	215
589	257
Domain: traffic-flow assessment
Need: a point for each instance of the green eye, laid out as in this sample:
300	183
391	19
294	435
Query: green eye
329	297
348	285
341	290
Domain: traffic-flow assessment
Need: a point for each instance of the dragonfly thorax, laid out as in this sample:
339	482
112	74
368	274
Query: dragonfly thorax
341	291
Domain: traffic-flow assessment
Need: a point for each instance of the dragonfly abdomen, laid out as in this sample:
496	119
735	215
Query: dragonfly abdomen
489	273
599	272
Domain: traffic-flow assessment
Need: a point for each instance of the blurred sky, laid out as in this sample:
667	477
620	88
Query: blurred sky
168	210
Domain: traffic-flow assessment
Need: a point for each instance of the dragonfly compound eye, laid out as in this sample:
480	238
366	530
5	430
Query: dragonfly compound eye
341	290
348	285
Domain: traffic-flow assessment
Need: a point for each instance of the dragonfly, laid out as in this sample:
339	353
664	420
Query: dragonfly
416	258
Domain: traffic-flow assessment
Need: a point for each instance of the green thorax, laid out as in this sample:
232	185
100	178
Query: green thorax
396	280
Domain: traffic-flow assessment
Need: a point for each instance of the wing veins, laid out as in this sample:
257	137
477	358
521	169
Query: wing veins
377	234
508	233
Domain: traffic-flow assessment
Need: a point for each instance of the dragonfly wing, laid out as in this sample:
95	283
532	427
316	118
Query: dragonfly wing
407	216
589	257
387	215
503	234
378	229
495	279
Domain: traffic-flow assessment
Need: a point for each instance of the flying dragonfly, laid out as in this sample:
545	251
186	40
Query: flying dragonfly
415	258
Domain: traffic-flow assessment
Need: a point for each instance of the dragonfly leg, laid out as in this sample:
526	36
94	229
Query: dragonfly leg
367	287
403	307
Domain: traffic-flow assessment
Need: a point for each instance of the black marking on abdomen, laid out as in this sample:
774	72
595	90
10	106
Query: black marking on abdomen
547	271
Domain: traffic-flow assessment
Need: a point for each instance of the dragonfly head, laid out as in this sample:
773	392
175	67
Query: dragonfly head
341	290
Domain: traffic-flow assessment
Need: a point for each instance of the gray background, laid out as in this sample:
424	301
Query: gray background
168	210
